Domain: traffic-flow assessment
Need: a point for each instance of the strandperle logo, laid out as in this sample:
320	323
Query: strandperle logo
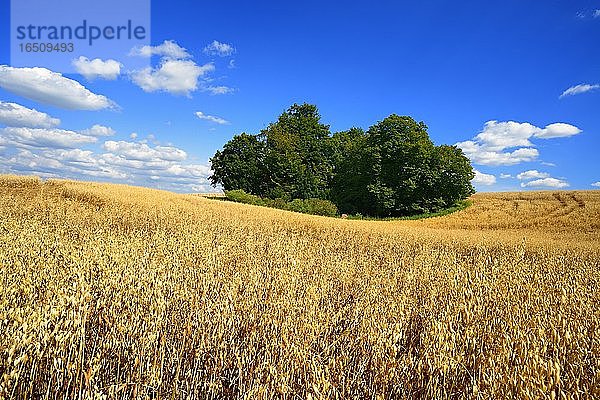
54	33
85	31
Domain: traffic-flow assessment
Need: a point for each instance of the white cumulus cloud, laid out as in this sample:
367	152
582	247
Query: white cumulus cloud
211	118
57	153
217	48
97	68
557	130
494	144
168	49
42	137
173	76
98	130
177	73
16	115
596	184
142	152
546	183
498	136
480	154
483	179
532	174
62	163
48	87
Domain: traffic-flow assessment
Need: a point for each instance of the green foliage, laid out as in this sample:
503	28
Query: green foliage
391	170
461	205
455	174
297	154
240	165
351	177
395	170
313	206
399	152
276	203
240	196
306	206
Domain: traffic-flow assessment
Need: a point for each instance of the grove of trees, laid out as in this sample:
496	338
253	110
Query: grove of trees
392	169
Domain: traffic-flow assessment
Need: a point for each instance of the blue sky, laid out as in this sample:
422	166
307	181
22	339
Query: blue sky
514	83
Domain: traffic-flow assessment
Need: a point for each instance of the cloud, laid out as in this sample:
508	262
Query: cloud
498	136
58	153
579	89
85	162
483	179
479	154
505	176
16	115
96	68
159	166
535	178
41	137
73	163
142	152
168	49
585	14
532	174
75	156
491	146
231	64
174	76
596	184
98	130
211	118
177	73
186	171
217	48
48	87
218	89
557	130
546	183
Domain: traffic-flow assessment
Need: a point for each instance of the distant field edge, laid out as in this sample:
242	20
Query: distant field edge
254	200
461	205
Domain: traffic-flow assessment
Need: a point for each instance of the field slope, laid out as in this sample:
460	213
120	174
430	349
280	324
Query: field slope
110	291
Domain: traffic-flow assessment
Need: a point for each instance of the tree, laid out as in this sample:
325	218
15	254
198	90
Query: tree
393	169
350	171
399	153
455	173
241	165
297	154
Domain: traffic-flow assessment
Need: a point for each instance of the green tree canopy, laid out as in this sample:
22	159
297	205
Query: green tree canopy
350	171
454	174
392	169
297	154
399	152
240	165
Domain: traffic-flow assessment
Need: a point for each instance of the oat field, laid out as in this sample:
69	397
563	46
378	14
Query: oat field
116	292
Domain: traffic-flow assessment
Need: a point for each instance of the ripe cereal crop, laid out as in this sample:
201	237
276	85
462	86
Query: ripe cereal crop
117	292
